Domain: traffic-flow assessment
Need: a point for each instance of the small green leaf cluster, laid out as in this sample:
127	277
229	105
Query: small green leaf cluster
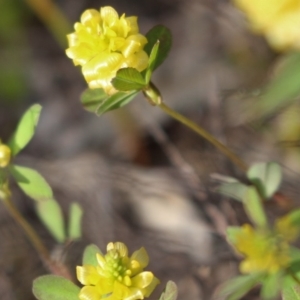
129	81
35	186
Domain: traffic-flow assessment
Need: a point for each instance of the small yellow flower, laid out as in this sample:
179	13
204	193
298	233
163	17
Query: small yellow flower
103	43
278	20
117	277
264	251
5	155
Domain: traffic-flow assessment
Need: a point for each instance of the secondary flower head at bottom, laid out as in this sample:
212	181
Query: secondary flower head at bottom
117	276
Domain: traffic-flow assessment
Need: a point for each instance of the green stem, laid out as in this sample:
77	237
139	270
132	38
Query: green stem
206	135
53	266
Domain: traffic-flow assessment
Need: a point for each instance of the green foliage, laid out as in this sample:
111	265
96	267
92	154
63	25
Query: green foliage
74	226
32	183
51	215
291	292
50	287
170	292
92	98
283	88
239	286
152	62
271	286
163	35
254	207
234	189
266	177
25	129
128	79
89	255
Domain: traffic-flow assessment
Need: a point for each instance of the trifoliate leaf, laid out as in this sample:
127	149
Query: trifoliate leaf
128	79
89	255
92	98
254	207
152	61
31	182
170	292
25	130
266	177
163	35
75	216
51	287
115	101
51	215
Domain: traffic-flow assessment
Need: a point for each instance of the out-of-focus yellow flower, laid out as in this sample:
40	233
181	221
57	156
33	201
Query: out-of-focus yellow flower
5	155
264	251
103	43
117	277
278	20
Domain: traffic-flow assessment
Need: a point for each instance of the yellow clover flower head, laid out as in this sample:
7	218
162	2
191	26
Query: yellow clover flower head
103	43
278	20
5	155
117	276
264	251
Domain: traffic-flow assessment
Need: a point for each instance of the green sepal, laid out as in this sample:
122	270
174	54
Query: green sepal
152	60
91	99
170	292
163	35
31	182
51	287
115	101
25	129
75	217
237	287
128	79
266	177
254	207
89	255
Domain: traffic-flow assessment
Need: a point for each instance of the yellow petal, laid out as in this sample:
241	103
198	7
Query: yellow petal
147	291
138	61
142	280
141	256
89	293
90	17
134	294
87	275
101	260
120	290
120	247
108	15
132	23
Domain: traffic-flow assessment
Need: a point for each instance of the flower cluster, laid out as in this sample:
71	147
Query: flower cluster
103	43
278	20
117	276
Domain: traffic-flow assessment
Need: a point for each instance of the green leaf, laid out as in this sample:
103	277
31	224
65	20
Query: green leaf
91	99
128	79
170	292
89	255
25	130
283	88
31	182
163	35
152	61
237	287
51	287
75	216
294	217
254	208
235	190
271	286
116	101
266	177
291	292
51	215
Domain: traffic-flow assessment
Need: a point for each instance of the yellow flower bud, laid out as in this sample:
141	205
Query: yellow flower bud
5	155
278	20
103	43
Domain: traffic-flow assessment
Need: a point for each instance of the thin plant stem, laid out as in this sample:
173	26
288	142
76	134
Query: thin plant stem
53	266
206	135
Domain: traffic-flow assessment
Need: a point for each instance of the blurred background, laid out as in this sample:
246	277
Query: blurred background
213	75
